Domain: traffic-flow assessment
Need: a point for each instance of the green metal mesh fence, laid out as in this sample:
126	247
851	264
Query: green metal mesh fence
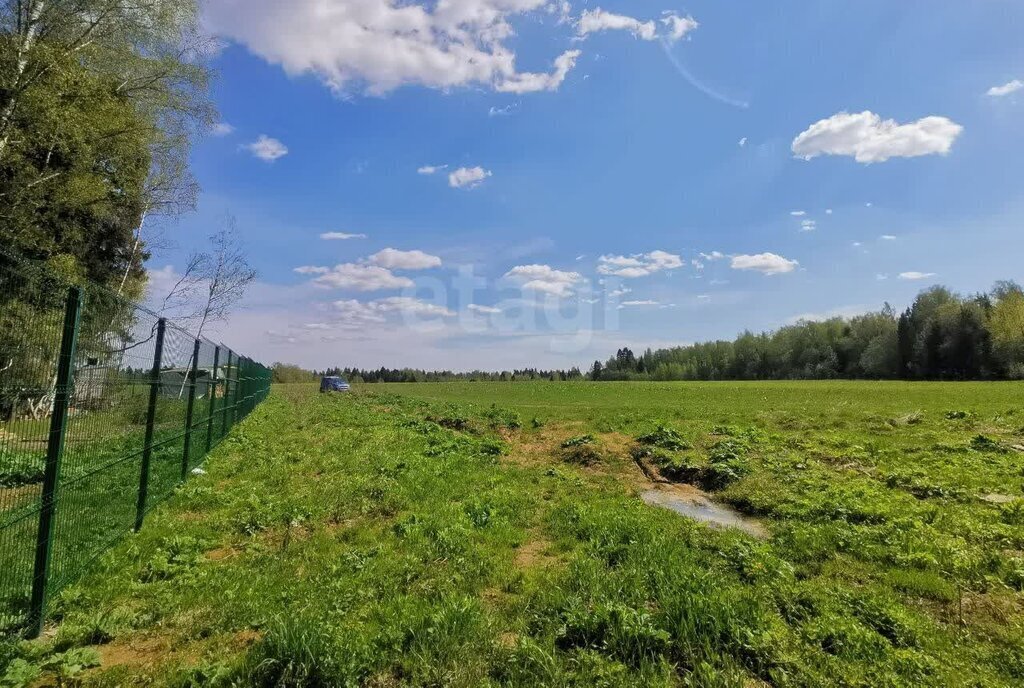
104	409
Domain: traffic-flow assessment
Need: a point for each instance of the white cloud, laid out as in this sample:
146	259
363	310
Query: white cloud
544	279
662	260
531	82
678	26
798	213
615	293
222	129
597	20
1006	89
563	9
393	259
340	236
317	326
828	211
645	302
767	263
483	310
468	177
868	138
361	278
431	169
743	142
311	270
808	225
881	277
410	306
887	237
913	275
713	256
266	148
503	111
638	265
352	312
376	46
841	312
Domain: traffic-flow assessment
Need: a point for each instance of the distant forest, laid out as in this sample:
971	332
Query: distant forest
942	336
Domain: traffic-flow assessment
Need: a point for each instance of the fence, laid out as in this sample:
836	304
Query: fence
104	408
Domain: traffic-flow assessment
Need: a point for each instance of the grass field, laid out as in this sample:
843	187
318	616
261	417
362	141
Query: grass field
493	534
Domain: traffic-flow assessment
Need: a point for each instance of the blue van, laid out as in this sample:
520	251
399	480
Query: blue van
332	383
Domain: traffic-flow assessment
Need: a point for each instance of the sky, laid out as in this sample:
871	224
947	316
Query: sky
497	184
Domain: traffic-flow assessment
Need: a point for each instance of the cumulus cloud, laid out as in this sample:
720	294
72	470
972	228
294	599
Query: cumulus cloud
544	279
868	138
531	82
360	277
410	306
431	169
678	26
638	265
376	46
766	263
353	312
483	310
340	236
713	256
597	20
222	129
468	177
393	259
266	148
1006	89
311	270
914	275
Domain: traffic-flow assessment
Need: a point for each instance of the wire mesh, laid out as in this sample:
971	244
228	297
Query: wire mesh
131	378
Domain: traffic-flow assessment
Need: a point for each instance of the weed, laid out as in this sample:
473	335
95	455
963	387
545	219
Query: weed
664	438
578	441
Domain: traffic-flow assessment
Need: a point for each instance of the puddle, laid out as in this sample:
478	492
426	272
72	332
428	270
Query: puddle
690	502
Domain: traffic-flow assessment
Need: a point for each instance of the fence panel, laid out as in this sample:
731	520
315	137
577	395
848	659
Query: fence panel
125	384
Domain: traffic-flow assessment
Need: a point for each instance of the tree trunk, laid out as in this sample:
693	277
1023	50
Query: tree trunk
135	249
28	38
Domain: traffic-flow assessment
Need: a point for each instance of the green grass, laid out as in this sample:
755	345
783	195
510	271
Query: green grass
452	534
97	489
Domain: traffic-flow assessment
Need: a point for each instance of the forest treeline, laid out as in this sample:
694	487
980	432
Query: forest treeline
941	336
287	373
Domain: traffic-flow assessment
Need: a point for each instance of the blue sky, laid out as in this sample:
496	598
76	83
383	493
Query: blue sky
600	155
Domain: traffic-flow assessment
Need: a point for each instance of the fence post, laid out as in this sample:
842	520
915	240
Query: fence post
188	413
147	449
213	399
54	450
227	390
